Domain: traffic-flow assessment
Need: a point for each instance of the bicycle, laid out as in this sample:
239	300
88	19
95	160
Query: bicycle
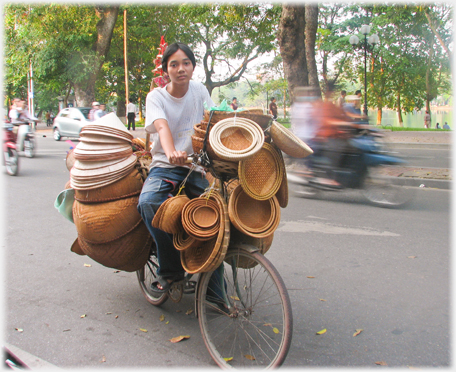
251	326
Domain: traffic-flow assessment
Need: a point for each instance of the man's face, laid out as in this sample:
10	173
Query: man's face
103	107
180	68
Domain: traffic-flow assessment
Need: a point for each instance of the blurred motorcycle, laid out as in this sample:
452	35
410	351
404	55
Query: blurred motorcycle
25	140
10	155
362	165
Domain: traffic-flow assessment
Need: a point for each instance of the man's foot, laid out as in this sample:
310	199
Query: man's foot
162	285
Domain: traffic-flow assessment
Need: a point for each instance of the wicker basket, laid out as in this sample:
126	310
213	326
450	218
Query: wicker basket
69	160
168	216
127	186
209	254
183	241
106	222
127	253
262	120
261	174
256	218
201	218
286	141
197	144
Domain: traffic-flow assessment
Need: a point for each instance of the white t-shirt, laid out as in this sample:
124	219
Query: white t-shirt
180	113
131	108
302	120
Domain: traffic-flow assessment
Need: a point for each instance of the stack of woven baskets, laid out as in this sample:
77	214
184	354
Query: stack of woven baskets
245	149
107	178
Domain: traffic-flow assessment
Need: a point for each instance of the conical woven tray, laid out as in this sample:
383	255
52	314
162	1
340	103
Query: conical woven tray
168	216
286	141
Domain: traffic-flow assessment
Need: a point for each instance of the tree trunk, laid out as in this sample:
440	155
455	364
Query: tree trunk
379	116
84	91
399	109
292	47
311	19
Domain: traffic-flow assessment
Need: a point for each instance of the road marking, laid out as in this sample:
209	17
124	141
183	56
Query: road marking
326	228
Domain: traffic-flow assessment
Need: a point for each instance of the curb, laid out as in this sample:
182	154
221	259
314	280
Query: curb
413	145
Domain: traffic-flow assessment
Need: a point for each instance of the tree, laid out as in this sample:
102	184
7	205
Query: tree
230	37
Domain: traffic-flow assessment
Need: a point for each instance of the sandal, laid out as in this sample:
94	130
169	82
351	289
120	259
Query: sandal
165	285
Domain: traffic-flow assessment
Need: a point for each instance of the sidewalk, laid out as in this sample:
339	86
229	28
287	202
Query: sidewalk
440	178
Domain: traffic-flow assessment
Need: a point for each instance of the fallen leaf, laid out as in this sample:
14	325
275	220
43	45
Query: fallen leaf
178	339
228	359
162	318
311	277
275	330
249	357
66	330
321	332
87	265
178	311
189	311
235	298
83	315
167	322
322	299
117	271
267	325
103	359
108	313
411	257
358	331
20	330
381	363
116	316
143	330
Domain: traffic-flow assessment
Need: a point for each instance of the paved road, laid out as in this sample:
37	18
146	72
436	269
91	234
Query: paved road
347	266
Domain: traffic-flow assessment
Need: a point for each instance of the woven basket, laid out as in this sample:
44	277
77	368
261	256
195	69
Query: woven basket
261	174
235	139
200	129
183	241
282	193
263	244
227	168
106	222
201	218
168	216
254	115
127	253
127	186
256	218
286	141
210	254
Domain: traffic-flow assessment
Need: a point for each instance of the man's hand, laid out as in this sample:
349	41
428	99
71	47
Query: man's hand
178	157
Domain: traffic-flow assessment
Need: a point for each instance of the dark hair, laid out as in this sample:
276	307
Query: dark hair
234	98
130	100
173	48
343	92
358	91
273	98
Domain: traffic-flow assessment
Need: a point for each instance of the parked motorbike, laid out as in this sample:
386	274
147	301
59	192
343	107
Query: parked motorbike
362	165
10	155
25	140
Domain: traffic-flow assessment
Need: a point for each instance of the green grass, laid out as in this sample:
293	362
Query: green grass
404	129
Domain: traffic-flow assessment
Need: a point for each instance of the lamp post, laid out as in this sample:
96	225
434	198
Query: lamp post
373	39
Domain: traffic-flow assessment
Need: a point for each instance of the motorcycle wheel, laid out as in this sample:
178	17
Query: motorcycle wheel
29	147
11	162
380	191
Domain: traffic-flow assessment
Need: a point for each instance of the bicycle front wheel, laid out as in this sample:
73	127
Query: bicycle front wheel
247	322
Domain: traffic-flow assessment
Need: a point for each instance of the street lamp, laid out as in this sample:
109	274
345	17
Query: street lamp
373	39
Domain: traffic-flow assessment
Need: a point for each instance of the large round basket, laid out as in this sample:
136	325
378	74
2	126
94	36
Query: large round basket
254	115
201	218
235	139
256	218
127	186
106	222
261	174
127	253
209	254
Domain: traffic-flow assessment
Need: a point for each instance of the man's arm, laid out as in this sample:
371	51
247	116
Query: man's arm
167	142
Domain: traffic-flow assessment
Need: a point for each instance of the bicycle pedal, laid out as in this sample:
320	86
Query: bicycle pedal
189	287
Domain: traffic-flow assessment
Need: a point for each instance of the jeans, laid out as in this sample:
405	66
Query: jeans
161	183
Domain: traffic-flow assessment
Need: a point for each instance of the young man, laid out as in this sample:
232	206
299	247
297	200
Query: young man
273	108
171	113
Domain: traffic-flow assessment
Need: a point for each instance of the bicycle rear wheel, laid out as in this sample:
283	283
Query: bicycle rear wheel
147	275
252	326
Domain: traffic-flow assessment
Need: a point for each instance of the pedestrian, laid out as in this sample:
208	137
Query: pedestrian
95	107
427	119
437	126
273	108
131	114
446	126
171	113
357	103
101	112
47	116
341	100
234	104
